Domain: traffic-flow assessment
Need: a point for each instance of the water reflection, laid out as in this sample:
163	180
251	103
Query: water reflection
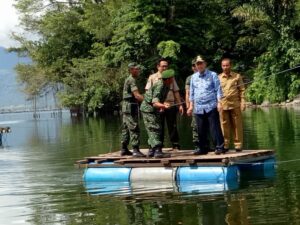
166	207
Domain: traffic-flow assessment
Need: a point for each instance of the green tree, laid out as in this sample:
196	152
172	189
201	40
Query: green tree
270	27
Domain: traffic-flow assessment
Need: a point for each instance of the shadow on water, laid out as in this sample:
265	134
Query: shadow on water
39	184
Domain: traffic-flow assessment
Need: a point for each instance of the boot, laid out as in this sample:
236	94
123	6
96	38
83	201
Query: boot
160	154
125	151
137	153
151	152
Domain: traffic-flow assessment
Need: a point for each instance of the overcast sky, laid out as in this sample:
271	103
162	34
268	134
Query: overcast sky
8	22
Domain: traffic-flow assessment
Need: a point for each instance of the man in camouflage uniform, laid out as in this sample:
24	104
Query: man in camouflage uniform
154	104
170	115
130	110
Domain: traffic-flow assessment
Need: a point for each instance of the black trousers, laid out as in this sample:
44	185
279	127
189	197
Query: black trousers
169	116
209	123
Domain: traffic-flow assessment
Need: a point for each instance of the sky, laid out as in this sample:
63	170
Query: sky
8	23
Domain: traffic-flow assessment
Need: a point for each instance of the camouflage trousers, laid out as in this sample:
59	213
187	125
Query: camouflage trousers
152	123
194	130
195	133
130	130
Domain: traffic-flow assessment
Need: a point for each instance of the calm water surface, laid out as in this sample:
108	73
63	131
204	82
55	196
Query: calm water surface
40	185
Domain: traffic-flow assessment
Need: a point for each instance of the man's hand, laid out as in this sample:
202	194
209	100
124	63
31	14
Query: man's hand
181	110
189	111
167	105
220	108
243	106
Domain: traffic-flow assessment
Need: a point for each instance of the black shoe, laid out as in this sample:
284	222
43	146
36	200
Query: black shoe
219	151
137	153
238	149
199	151
176	146
226	150
160	154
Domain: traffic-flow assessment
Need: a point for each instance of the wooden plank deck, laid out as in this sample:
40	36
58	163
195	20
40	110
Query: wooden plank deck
178	158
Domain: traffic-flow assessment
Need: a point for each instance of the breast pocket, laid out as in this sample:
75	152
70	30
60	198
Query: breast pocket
209	84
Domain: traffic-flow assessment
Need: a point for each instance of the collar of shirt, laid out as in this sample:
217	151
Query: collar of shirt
225	75
158	74
202	74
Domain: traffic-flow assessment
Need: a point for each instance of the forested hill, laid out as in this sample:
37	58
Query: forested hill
85	45
10	90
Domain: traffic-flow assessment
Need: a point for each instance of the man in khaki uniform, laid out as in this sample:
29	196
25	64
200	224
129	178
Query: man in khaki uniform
233	103
173	97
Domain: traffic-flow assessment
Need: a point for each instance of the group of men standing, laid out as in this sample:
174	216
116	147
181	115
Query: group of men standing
214	102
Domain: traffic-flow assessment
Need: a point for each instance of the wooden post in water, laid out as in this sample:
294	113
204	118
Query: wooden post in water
34	107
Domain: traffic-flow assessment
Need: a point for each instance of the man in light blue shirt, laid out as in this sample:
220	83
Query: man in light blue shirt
205	96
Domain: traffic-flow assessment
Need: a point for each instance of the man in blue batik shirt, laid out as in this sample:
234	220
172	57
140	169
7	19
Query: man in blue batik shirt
205	96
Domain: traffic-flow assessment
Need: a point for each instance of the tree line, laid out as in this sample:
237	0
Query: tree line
80	48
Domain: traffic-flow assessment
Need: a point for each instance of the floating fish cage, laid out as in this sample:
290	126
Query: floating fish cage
4	130
182	172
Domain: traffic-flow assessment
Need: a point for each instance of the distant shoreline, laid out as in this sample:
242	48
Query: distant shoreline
8	111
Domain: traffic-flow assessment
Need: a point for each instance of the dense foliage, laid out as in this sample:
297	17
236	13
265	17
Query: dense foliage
82	47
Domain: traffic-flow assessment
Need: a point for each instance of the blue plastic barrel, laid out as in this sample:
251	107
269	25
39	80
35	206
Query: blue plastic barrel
109	174
269	168
209	174
261	169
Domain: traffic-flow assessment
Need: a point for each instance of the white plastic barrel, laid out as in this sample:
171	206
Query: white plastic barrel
156	174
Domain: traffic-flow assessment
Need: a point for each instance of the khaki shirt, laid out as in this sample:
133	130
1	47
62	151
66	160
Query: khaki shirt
233	90
173	87
188	82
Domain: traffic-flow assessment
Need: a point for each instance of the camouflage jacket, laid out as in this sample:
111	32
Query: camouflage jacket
129	104
157	93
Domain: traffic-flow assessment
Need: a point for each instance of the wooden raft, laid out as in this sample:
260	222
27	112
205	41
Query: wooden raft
178	158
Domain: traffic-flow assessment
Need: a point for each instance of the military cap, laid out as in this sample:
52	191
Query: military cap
199	59
167	74
133	65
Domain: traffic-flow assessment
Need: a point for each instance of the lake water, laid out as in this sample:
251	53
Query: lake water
40	185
